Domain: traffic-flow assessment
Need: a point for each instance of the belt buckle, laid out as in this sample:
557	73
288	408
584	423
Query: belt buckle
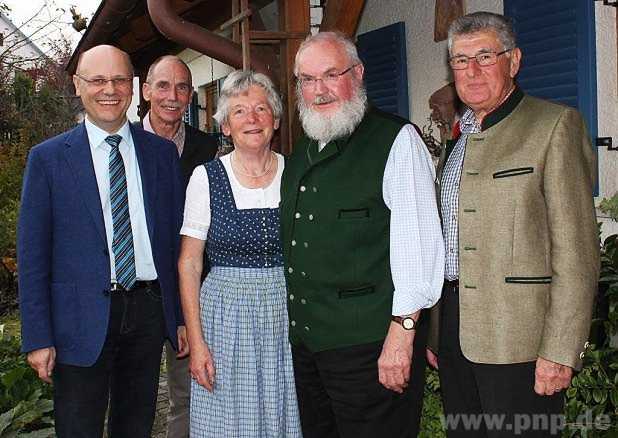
117	287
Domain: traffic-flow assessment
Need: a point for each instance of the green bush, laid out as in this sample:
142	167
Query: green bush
25	401
592	400
431	420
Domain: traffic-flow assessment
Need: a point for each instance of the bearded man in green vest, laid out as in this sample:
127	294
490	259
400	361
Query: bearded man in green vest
363	252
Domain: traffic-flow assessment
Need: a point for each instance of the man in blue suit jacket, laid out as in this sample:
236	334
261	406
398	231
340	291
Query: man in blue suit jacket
97	250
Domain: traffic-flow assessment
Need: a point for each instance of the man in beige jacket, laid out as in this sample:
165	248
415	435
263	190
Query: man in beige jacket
522	252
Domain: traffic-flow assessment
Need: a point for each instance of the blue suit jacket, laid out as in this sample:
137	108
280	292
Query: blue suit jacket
64	268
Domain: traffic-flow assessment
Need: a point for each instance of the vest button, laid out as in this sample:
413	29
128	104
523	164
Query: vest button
290	270
315	189
291	297
303	274
310	217
293	323
302	301
306	244
293	242
307	328
303	188
297	215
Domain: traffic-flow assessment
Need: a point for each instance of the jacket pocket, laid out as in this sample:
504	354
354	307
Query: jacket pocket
356	213
528	280
513	172
356	292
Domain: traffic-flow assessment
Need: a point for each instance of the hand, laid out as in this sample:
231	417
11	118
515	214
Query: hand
396	358
183	343
551	377
43	362
432	358
202	366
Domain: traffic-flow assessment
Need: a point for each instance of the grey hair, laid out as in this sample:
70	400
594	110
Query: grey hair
483	21
334	37
160	59
238	82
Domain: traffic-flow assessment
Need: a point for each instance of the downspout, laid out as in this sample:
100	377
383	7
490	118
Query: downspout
190	35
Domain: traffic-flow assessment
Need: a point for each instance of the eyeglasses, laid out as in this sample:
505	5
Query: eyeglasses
120	82
330	78
484	59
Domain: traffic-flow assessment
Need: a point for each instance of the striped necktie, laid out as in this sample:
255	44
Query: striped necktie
122	244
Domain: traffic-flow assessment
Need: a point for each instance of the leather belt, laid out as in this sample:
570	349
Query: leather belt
141	284
451	284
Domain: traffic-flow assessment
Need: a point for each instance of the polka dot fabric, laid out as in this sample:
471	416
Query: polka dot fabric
245	324
244	238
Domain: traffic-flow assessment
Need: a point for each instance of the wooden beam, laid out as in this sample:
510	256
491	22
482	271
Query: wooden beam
294	18
244	35
244	14
258	35
342	15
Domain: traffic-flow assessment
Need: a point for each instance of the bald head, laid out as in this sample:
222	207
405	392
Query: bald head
104	53
104	82
164	61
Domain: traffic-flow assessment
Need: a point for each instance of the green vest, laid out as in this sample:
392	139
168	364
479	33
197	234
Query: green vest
335	231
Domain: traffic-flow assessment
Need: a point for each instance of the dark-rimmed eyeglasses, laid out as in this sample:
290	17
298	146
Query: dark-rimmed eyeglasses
119	82
329	79
483	59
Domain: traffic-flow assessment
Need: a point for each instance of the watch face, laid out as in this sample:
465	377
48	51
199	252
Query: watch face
408	323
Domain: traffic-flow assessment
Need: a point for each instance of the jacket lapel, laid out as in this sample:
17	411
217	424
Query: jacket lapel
147	159
79	158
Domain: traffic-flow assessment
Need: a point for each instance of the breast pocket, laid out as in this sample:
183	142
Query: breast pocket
517	171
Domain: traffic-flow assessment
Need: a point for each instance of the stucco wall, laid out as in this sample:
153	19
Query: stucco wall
607	101
428	71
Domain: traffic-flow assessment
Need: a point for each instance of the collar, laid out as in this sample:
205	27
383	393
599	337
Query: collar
178	138
504	109
97	136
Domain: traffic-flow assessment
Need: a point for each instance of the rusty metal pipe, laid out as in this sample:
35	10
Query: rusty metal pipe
190	35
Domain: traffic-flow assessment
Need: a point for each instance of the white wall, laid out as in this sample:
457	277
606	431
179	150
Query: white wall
607	102
427	68
24	50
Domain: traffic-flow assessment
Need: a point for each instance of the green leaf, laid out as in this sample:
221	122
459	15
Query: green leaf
5	420
42	433
614	398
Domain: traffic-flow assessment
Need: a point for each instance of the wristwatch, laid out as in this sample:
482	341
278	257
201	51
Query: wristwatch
407	322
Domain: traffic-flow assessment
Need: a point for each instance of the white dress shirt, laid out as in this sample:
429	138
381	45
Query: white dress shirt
416	242
144	264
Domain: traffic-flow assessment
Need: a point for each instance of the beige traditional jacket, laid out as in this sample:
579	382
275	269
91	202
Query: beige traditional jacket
528	242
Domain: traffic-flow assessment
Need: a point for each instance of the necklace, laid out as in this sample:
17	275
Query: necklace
266	171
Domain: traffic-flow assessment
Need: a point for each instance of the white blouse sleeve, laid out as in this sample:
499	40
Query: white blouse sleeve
197	206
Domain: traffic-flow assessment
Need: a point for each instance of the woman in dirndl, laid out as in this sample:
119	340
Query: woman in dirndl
237	324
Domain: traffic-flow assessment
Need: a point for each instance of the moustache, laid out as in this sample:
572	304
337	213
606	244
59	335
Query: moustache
323	99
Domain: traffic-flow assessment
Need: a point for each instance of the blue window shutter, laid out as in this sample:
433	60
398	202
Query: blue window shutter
383	51
557	39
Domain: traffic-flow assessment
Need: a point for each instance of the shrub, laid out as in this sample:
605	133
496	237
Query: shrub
25	401
592	400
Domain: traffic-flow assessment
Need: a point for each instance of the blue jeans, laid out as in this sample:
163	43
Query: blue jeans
126	373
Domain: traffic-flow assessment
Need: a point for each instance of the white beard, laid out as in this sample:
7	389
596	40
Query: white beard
327	127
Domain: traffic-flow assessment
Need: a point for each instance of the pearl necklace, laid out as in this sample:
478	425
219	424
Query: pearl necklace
234	159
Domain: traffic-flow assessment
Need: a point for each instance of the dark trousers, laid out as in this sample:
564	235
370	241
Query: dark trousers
126	373
340	396
484	400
